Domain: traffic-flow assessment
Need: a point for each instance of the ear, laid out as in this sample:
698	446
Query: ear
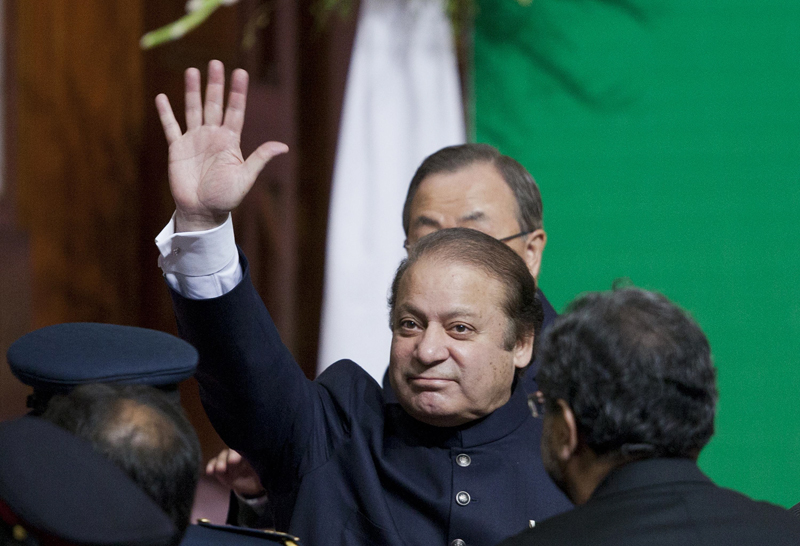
523	351
565	432
532	253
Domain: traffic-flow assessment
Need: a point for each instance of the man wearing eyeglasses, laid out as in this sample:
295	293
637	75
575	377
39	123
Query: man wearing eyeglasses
475	186
629	396
452	461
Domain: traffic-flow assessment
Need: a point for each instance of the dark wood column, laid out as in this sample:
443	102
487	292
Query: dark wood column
325	55
68	211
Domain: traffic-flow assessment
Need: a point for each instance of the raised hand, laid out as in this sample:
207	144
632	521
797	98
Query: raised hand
233	471
208	176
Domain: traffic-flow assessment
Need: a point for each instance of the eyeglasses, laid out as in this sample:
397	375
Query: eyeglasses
512	237
536	404
407	245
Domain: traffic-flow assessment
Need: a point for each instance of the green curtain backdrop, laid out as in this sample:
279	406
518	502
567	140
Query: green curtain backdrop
665	136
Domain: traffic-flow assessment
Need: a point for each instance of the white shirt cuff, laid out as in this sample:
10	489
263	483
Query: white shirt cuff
257	504
199	264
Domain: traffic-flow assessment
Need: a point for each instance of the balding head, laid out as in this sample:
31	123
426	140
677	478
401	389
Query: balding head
143	431
475	186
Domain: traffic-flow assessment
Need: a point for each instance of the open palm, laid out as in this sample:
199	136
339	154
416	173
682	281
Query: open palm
208	176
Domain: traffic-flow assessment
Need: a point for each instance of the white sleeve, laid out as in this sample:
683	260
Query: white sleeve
199	264
258	505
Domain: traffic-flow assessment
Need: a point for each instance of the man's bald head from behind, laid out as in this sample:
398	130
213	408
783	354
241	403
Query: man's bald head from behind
144	431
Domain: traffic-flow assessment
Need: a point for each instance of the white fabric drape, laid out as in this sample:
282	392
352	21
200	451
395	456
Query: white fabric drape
402	103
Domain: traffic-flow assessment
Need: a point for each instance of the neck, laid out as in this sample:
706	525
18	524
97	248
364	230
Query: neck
585	471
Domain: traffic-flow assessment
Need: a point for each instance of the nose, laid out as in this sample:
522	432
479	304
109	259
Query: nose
432	346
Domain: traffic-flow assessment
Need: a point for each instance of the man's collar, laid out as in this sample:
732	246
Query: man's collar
648	473
549	312
494	426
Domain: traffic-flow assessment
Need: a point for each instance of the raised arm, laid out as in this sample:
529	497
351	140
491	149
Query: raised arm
255	395
208	176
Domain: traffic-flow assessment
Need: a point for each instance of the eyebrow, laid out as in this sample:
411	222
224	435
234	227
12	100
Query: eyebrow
473	216
465	312
427	221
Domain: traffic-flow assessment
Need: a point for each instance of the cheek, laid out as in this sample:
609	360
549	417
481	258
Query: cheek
399	350
493	379
399	357
501	369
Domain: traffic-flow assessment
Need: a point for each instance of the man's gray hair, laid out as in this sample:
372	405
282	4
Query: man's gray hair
454	158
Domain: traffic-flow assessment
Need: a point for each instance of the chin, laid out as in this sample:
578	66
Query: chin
435	416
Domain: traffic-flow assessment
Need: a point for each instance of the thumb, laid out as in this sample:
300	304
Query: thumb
255	163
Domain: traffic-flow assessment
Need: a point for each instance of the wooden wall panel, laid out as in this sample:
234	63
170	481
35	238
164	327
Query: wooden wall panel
79	136
15	282
14	314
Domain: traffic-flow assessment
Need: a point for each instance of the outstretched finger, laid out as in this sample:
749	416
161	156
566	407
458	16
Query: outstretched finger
255	163
221	465
237	100
194	104
168	122
215	91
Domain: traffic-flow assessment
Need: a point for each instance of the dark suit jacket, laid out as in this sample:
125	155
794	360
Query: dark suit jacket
665	502
343	466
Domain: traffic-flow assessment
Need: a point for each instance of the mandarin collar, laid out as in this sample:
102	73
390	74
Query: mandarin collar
489	428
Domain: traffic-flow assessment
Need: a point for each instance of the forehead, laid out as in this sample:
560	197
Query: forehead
475	188
449	283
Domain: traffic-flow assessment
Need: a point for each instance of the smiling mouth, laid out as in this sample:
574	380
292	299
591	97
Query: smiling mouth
429	383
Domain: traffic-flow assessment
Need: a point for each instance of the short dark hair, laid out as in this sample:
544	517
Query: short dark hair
635	370
484	252
143	431
454	158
